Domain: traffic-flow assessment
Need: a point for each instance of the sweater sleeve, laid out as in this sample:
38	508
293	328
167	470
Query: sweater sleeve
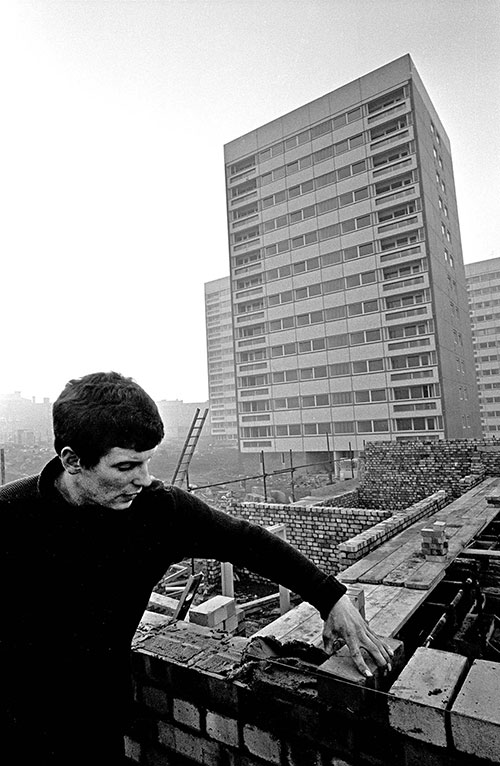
211	533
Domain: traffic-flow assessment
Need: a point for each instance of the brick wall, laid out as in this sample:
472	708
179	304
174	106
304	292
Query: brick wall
316	531
196	704
398	474
360	545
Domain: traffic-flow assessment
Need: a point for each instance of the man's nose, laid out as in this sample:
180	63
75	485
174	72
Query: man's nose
142	477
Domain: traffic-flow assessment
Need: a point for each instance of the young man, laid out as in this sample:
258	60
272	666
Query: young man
85	543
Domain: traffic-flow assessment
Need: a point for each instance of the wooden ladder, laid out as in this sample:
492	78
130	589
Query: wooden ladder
181	471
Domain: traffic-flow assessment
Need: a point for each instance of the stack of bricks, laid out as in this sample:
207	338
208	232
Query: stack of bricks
434	542
218	613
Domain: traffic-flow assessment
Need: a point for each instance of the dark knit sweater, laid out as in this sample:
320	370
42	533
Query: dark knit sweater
76	580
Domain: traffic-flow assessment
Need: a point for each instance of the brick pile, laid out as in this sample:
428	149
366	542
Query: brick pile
435	542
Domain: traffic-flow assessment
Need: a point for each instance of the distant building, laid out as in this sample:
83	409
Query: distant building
220	359
24	421
349	297
178	415
483	285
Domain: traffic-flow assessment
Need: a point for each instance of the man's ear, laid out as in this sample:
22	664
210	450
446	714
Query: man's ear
70	460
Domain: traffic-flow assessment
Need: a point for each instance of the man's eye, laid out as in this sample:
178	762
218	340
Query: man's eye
125	467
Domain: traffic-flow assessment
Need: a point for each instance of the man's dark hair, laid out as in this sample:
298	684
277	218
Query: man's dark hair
103	410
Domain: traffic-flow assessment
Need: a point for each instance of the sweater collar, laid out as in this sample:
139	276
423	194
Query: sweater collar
47	480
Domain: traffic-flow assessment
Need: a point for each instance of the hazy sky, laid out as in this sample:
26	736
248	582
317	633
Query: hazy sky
114	117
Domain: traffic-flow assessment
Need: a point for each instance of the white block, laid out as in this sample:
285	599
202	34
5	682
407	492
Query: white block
420	696
475	715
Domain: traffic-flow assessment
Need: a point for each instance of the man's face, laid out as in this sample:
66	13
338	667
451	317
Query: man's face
116	480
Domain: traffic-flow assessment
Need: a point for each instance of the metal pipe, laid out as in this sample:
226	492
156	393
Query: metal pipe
448	614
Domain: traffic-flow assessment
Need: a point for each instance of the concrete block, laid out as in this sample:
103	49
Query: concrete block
132	749
212	612
155	699
222	729
420	696
230	624
187	714
475	714
262	744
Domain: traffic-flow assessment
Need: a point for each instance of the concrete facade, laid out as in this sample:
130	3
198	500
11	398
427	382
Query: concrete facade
347	276
483	286
220	360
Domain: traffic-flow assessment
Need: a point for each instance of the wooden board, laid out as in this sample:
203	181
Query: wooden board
290	622
426	577
378	600
388	621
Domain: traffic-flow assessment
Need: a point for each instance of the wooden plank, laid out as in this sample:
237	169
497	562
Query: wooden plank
378	564
289	622
426	577
400	574
378	599
481	552
401	553
391	619
357	571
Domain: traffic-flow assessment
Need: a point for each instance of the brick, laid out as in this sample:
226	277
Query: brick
155	699
262	744
222	729
132	749
189	745
302	755
212	612
420	697
187	714
230	624
475	714
166	734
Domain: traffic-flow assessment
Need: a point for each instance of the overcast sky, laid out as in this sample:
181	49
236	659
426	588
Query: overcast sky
114	117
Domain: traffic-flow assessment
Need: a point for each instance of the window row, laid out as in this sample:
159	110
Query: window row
317	209
383	425
327	126
486	317
339	369
486	277
321	129
334	230
327	153
485	290
313	184
323	288
333	203
341	340
397	271
386	244
368	396
320	182
321	155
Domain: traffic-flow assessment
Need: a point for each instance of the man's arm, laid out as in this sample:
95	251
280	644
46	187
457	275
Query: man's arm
207	532
345	621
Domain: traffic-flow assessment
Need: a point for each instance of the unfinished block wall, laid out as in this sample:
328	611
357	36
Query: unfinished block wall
398	474
316	531
199	702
